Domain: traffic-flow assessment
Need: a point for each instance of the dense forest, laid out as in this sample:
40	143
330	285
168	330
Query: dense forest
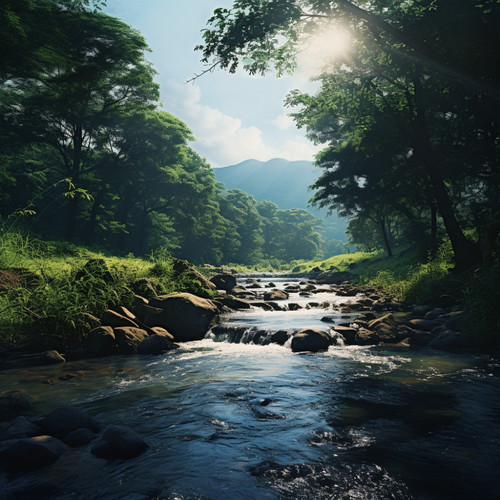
88	155
408	113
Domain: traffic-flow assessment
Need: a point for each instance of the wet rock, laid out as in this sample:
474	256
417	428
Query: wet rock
32	453
20	427
387	319
224	282
367	316
273	295
422	324
158	330
445	341
294	307
263	305
366	337
280	337
312	305
310	339
328	319
309	287
101	341
79	437
156	344
234	303
42	359
389	334
277	307
15	402
348	333
123	311
66	419
129	338
115	320
186	316
453	319
416	338
139	306
119	442
254	286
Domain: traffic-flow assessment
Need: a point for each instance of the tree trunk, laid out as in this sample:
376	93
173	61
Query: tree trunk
385	236
465	252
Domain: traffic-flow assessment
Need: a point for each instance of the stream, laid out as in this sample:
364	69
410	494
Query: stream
237	420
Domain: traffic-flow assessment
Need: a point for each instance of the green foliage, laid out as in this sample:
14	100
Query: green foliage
57	285
409	118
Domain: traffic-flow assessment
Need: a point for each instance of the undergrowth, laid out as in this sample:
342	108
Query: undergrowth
46	286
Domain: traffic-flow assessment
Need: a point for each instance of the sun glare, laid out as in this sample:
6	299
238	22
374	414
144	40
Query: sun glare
324	49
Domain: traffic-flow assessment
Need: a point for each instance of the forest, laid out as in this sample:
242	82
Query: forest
164	336
87	155
409	117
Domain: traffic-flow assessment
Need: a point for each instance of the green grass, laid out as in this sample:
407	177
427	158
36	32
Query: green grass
45	311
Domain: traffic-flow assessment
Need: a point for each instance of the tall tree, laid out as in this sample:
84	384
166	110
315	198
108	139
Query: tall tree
95	71
411	48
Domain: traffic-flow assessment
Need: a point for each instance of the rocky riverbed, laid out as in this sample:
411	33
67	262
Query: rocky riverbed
381	361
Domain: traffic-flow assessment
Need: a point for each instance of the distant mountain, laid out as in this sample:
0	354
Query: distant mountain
285	183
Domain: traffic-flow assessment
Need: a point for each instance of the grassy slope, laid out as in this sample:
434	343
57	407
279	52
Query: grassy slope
46	310
410	278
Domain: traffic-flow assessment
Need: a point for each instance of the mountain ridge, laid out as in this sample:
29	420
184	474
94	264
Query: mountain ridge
283	182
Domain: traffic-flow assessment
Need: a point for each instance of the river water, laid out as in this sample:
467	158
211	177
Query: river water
233	420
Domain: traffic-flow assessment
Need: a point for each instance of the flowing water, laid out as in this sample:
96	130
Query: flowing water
234	420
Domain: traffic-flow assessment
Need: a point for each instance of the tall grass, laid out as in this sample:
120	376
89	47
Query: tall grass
45	309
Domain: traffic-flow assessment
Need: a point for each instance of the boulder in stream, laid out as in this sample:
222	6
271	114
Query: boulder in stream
186	316
273	295
66	419
101	341
128	339
32	453
224	282
15	402
156	344
310	339
119	441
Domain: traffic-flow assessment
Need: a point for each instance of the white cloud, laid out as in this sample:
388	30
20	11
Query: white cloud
223	139
283	122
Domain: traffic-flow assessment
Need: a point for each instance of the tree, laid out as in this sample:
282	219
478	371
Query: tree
95	72
409	69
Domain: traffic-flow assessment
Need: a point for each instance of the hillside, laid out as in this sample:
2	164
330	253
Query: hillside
284	182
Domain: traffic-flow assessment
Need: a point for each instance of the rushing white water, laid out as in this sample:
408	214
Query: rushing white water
248	421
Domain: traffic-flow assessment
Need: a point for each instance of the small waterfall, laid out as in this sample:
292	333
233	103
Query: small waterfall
247	335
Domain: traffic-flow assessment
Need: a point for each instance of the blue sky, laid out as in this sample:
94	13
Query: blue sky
233	117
